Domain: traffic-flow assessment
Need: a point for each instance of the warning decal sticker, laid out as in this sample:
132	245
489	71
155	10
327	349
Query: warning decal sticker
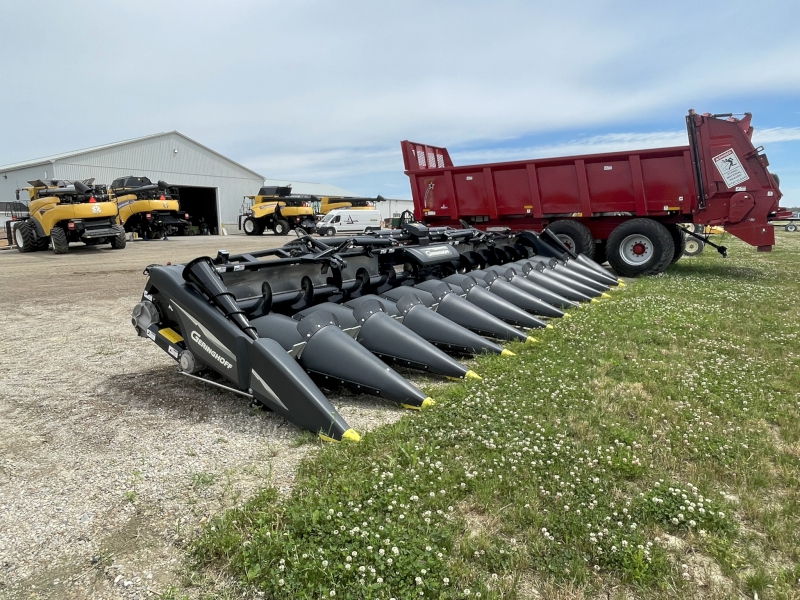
730	167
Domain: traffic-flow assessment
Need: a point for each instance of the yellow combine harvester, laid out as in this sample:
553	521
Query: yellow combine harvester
329	203
275	208
60	212
147	209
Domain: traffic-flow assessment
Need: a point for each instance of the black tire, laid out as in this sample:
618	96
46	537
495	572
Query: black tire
329	232
281	227
698	228
59	241
119	241
600	252
679	239
791	227
575	236
25	237
640	247
693	247
253	226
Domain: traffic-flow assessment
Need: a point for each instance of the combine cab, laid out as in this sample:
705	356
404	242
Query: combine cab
277	325
60	212
150	210
277	209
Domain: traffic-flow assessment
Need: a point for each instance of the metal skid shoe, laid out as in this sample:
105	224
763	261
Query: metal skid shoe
433	327
334	358
189	313
372	327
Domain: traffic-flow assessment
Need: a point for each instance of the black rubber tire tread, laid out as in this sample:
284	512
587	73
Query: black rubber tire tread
281	227
119	241
663	247
679	239
27	232
580	233
698	250
600	252
329	232
59	241
258	226
791	227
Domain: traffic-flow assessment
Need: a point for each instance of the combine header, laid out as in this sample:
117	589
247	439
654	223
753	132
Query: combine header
622	206
274	325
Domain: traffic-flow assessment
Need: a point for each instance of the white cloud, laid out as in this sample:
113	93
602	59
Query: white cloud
326	90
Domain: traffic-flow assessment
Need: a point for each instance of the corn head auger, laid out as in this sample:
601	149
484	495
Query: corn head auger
274	325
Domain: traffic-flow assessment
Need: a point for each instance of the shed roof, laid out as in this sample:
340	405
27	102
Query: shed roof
53	158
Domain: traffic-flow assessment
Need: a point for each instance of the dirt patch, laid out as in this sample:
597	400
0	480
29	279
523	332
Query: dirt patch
109	460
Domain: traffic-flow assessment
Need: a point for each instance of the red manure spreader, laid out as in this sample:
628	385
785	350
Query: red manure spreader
626	207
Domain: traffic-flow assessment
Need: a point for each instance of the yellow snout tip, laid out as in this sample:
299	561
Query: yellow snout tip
595	300
533	340
507	353
549	326
605	295
567	316
351	435
621	283
473	375
428	402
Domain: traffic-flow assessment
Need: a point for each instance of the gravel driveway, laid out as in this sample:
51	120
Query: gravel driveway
109	460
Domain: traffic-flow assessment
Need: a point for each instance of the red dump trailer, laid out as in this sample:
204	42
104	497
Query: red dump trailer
622	206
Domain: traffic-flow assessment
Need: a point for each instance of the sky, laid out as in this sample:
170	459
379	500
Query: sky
324	91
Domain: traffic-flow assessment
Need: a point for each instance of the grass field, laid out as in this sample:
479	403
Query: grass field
648	447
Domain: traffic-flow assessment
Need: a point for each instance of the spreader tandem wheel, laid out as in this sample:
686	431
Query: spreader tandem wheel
640	247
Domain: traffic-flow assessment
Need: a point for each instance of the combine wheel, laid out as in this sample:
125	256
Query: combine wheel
119	241
575	236
59	241
679	238
25	237
281	227
693	247
253	227
640	247
791	227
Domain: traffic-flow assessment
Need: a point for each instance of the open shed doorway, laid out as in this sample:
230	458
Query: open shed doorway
201	204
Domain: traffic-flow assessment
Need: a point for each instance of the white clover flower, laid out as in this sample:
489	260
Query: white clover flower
379	580
281	582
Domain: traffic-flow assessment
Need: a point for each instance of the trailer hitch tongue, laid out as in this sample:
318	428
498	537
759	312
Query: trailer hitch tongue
204	276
